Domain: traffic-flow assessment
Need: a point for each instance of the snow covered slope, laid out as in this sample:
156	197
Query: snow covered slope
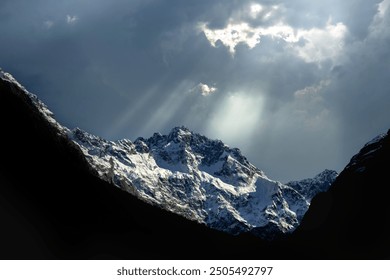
312	186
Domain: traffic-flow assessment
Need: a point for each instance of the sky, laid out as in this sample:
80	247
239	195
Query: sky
298	86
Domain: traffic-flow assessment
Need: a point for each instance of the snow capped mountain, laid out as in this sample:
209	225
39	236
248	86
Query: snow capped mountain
188	174
201	179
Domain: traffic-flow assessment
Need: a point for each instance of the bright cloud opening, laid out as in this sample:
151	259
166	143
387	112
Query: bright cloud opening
204	89
255	10
311	45
232	35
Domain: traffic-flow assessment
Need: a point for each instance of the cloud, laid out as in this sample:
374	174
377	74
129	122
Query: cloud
204	89
255	10
232	35
321	44
310	44
383	8
309	106
359	92
312	90
236	33
48	24
379	26
71	19
297	92
246	25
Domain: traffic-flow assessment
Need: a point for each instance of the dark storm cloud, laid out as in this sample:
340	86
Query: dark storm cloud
360	93
301	87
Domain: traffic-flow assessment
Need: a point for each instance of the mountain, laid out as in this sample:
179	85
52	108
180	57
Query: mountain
55	204
188	174
201	179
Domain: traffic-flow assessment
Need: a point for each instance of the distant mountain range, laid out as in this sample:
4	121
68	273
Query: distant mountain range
61	195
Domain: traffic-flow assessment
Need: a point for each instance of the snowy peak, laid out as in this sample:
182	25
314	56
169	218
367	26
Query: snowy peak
199	178
182	134
312	186
190	151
